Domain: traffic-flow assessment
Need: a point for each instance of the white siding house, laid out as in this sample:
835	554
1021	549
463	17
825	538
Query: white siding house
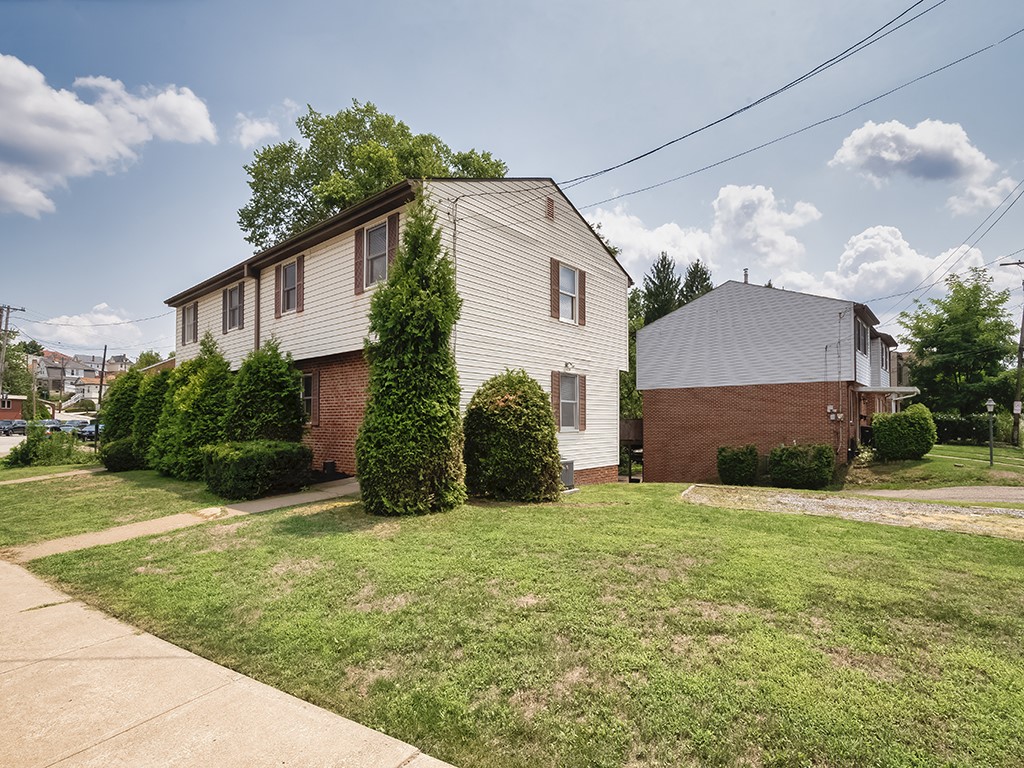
510	241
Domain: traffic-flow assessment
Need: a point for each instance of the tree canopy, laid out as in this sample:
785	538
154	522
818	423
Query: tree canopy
961	344
696	283
661	289
343	158
147	358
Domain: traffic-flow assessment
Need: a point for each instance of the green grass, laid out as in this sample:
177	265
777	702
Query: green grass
17	473
50	509
939	468
619	627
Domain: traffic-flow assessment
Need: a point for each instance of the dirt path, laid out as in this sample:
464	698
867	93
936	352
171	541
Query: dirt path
989	521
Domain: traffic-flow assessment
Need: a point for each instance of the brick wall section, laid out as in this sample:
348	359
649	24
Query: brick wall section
596	475
683	428
344	380
14	412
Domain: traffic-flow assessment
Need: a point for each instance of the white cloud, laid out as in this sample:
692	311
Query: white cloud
250	131
750	225
88	330
48	136
931	151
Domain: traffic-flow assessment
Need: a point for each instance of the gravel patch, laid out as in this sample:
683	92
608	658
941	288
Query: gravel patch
988	521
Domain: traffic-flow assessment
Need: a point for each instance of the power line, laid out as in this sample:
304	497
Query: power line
871	39
98	325
937	282
806	128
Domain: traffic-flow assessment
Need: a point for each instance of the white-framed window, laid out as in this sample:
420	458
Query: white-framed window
885	358
376	251
289	281
569	405
234	318
190	323
307	395
567	293
5	404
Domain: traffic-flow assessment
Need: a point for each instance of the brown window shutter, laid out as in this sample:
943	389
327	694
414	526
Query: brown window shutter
550	208
195	315
277	291
224	311
556	405
554	288
300	283
241	305
392	238
581	301
581	393
184	314
360	286
314	410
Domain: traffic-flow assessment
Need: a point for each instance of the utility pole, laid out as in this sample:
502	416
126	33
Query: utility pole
5	312
99	399
1015	435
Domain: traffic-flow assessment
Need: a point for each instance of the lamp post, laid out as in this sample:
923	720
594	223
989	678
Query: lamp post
990	405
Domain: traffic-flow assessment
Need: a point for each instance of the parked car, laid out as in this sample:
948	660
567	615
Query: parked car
19	427
73	425
88	432
5	427
52	425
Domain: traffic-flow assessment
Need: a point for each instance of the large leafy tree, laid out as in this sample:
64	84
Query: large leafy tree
409	449
342	159
961	344
696	282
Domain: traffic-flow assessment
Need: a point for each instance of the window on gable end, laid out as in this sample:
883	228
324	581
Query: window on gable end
567	293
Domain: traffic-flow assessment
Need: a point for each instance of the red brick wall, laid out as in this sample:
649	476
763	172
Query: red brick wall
596	475
683	428
344	380
14	412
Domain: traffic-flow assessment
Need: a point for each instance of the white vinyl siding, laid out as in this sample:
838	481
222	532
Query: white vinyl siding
503	252
741	334
237	344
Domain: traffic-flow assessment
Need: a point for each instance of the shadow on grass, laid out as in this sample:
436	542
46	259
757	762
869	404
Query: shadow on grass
336	517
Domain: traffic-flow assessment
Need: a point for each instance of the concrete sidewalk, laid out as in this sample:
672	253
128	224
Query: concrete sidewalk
78	688
318	493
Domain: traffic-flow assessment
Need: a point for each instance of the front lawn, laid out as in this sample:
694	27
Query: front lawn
945	465
619	627
66	506
18	473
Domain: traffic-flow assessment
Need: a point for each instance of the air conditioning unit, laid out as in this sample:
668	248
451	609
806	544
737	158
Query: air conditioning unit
567	474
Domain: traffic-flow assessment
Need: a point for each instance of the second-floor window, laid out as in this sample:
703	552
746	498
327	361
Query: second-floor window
234	307
863	337
885	358
376	255
288	287
567	293
190	323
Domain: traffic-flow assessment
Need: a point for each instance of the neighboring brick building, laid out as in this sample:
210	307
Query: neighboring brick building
12	406
745	364
540	291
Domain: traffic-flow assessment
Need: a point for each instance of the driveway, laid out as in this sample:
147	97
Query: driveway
6	443
975	494
902	511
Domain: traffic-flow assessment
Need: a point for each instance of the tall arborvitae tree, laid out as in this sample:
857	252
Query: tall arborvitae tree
193	412
409	449
265	402
661	289
118	412
147	412
696	283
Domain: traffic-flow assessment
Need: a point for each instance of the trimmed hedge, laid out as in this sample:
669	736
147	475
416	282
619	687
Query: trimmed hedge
738	466
256	468
119	455
802	466
909	434
511	448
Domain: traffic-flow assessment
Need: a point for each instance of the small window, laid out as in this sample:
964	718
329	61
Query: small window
307	395
190	321
376	255
885	358
5	405
235	307
568	393
863	337
288	287
566	293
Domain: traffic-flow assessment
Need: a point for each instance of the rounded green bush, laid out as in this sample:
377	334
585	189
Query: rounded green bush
802	466
909	434
738	466
511	448
119	455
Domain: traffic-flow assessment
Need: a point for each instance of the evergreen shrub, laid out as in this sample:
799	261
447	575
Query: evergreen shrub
118	413
119	455
802	466
265	400
39	448
511	448
909	434
148	406
738	466
248	470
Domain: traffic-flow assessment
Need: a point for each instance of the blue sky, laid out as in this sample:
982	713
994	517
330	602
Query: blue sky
124	127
